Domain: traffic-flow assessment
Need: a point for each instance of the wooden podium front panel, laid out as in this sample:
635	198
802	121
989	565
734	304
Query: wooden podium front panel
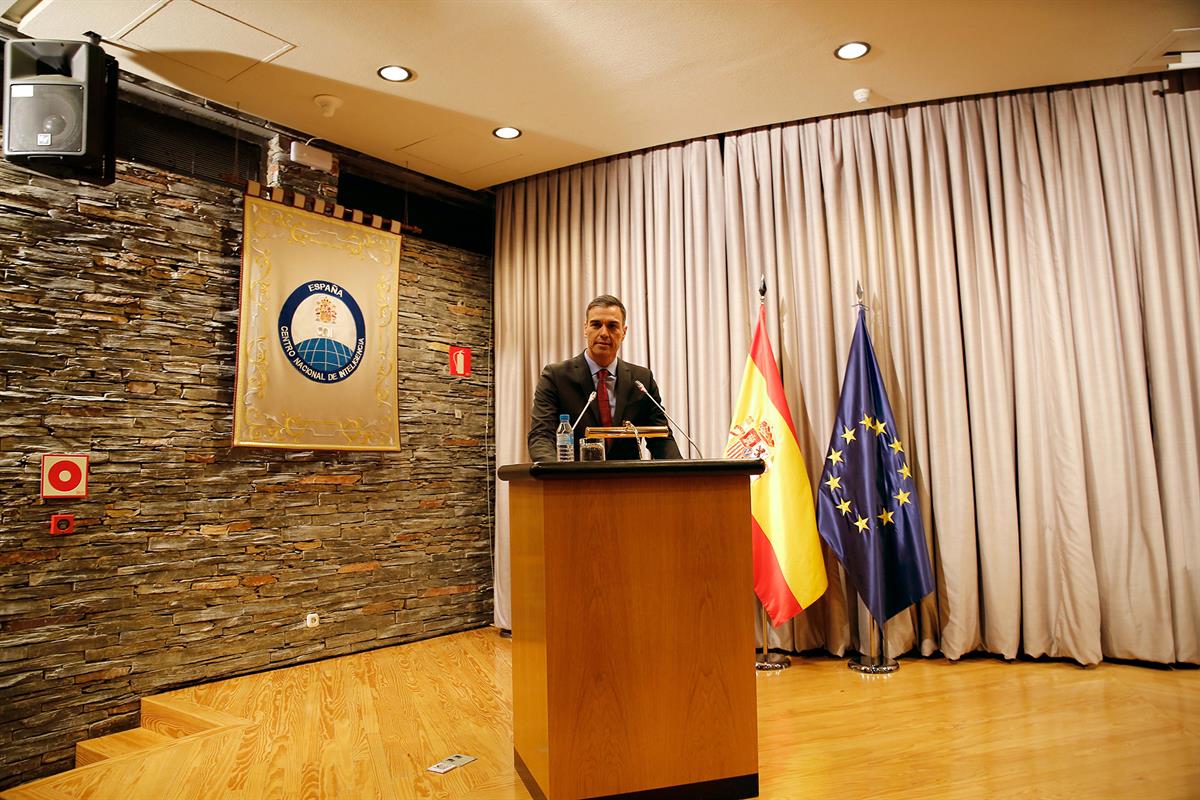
528	569
649	636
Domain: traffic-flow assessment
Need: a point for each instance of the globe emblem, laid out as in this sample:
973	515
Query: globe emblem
321	331
324	354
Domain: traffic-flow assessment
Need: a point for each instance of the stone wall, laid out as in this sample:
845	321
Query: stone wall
192	560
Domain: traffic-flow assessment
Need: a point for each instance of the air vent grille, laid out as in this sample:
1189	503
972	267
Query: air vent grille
145	136
468	226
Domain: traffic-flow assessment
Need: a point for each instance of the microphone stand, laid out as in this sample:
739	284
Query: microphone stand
582	411
678	427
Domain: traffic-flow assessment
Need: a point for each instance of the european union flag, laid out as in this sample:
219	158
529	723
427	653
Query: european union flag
867	508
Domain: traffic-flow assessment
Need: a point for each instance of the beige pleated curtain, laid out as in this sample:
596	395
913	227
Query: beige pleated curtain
1031	266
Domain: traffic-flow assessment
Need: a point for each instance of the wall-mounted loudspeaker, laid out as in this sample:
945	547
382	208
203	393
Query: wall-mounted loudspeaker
59	108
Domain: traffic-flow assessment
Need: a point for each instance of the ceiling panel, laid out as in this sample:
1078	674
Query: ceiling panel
217	44
591	78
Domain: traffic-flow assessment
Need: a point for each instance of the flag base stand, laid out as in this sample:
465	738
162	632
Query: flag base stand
766	661
873	665
770	662
876	663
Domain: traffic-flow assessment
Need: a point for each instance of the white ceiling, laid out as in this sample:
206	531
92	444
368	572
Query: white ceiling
592	78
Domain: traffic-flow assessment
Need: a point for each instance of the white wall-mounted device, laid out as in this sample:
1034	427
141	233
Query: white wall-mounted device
313	157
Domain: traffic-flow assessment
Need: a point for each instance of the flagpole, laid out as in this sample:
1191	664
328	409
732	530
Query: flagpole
877	662
884	663
766	660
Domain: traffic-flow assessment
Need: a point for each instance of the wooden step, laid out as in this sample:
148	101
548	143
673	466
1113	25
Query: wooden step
175	717
165	719
117	744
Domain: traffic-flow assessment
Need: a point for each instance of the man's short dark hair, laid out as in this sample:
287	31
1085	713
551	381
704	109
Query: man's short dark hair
604	301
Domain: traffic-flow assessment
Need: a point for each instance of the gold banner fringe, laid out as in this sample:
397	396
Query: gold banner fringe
283	196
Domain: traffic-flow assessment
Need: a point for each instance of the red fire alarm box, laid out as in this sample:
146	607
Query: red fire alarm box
61	524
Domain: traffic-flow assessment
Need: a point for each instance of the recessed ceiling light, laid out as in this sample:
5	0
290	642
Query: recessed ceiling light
395	73
852	50
506	133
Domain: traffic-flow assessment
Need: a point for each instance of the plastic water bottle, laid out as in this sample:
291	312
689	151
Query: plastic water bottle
565	438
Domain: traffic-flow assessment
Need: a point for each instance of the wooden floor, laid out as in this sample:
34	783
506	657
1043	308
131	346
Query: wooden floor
367	726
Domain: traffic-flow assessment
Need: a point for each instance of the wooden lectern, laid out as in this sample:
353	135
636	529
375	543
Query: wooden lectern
633	629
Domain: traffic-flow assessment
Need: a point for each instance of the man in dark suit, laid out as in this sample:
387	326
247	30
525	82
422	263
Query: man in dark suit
563	388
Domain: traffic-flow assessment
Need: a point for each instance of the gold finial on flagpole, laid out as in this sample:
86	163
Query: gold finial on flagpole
858	291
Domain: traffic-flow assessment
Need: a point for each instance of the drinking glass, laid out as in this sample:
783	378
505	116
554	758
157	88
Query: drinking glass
591	450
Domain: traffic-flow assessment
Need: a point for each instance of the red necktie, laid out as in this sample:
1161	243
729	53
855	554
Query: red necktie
602	398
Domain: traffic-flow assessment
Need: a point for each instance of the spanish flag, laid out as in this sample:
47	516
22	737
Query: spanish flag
789	571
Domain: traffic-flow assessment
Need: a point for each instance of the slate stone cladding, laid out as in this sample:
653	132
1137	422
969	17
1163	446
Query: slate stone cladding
193	561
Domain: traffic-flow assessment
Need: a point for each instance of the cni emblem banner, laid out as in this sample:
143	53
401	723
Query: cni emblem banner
316	332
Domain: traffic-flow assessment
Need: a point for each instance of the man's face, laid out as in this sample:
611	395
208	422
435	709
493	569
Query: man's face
604	329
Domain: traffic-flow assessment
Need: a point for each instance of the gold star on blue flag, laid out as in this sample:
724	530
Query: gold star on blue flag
884	555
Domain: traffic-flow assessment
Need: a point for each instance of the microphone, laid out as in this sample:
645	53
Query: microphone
678	427
591	397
